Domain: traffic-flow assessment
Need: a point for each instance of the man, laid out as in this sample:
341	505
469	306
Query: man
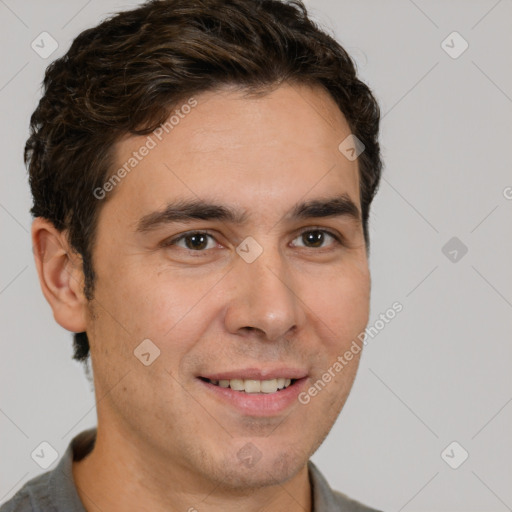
202	173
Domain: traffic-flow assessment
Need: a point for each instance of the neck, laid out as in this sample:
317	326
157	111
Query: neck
121	475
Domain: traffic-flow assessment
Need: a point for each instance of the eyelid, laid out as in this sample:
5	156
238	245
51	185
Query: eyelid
338	237
175	239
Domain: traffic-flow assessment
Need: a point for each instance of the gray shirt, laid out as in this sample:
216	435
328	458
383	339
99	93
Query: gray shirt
55	491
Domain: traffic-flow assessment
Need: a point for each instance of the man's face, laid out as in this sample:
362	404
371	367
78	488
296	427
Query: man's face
285	305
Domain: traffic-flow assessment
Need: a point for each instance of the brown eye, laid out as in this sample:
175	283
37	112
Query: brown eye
194	241
197	241
313	238
316	238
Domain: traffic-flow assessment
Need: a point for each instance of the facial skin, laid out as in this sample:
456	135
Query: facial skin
165	440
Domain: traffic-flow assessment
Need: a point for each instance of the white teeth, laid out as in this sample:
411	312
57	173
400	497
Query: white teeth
254	386
237	384
269	386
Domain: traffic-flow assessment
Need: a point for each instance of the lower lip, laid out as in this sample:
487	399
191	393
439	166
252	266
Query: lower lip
258	404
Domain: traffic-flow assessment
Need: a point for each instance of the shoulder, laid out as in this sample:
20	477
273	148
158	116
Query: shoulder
346	504
54	491
32	497
326	499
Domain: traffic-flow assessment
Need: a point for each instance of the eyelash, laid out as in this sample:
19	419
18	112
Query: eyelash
339	240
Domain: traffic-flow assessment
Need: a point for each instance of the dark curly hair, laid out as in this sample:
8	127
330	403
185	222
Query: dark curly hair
126	75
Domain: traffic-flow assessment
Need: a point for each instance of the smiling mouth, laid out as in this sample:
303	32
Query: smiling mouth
253	386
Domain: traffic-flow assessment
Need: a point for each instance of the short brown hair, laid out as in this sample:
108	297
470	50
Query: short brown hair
125	76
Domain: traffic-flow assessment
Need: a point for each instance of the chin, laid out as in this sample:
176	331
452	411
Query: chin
254	469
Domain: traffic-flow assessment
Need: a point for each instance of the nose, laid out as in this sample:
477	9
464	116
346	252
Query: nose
263	298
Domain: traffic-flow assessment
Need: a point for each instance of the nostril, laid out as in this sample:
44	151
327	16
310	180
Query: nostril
250	329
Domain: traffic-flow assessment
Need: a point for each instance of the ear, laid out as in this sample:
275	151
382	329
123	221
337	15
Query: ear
60	275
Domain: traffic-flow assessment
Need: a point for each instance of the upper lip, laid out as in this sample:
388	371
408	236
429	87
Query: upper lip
257	374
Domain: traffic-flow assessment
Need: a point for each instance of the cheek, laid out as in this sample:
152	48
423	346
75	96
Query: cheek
141	298
171	310
342	303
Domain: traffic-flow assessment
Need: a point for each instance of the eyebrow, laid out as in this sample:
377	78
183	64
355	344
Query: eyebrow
188	210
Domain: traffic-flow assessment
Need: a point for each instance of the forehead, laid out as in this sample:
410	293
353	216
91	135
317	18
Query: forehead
257	152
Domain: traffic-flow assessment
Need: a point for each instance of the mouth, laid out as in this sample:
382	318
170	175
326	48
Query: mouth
253	386
255	392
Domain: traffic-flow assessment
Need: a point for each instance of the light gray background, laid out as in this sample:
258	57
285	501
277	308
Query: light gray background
440	371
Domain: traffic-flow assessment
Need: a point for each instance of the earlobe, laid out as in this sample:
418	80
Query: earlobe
60	275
